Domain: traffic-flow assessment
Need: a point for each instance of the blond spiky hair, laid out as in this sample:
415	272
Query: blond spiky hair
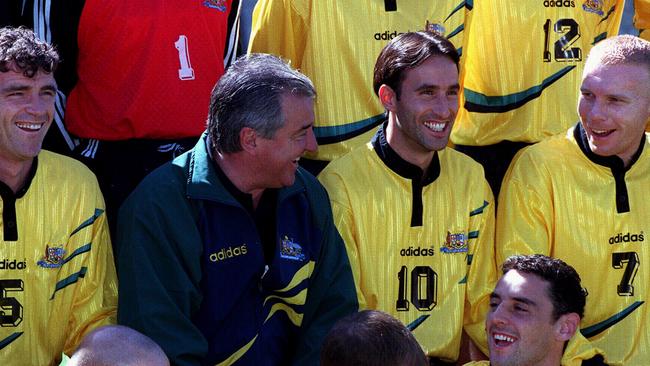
623	49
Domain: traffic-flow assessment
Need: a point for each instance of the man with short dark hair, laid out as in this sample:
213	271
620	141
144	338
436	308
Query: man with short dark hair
582	196
534	317
371	338
57	276
417	218
230	251
336	44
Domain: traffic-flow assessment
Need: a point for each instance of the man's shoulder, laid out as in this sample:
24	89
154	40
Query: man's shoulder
312	186
552	148
349	165
164	187
548	154
60	169
162	181
465	173
458	160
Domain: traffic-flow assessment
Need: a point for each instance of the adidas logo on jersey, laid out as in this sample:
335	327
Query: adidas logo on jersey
386	35
12	264
559	4
416	252
626	238
229	252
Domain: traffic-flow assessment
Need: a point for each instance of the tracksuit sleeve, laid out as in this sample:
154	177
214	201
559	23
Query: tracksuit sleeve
331	294
159	272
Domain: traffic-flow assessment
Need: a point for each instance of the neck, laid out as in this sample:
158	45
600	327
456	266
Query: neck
236	169
14	175
406	148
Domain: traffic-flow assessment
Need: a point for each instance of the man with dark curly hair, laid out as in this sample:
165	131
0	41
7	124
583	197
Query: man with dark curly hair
57	277
534	316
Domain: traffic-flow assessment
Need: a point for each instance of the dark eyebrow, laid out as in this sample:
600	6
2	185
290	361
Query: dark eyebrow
306	127
50	87
618	96
302	129
436	87
14	88
21	87
525	300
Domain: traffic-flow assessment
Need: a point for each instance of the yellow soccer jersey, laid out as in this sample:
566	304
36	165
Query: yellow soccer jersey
522	66
577	350
56	269
336	44
426	276
642	18
560	201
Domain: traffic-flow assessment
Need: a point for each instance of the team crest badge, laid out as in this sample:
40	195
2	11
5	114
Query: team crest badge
291	250
434	28
594	6
53	257
215	4
455	243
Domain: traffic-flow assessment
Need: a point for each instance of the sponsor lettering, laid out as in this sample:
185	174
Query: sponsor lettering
627	238
386	35
559	4
229	252
13	264
417	252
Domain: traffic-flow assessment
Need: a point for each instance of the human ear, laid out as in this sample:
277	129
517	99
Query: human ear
247	139
387	97
566	326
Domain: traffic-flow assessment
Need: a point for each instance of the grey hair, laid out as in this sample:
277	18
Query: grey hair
250	94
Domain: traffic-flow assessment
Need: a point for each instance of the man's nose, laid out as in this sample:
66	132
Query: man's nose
38	104
310	142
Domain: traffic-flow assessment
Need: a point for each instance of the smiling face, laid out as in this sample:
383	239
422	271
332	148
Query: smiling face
279	155
26	112
420	119
520	326
614	107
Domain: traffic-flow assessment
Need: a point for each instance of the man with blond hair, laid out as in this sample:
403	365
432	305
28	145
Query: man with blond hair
582	197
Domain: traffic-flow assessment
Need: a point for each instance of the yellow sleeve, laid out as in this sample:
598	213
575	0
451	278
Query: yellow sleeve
344	221
524	217
642	17
482	273
95	300
280	27
580	349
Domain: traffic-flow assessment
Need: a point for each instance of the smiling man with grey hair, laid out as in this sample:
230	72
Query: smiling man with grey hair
229	254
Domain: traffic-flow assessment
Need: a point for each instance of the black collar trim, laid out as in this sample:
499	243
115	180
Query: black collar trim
407	170
401	166
9	221
614	163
